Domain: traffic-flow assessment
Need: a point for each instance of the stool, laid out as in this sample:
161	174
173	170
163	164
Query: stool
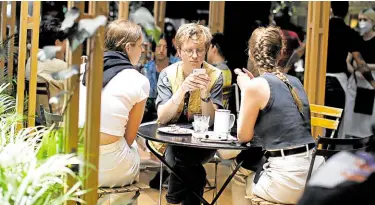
137	187
255	200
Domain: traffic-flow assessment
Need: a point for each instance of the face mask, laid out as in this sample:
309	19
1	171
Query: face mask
364	26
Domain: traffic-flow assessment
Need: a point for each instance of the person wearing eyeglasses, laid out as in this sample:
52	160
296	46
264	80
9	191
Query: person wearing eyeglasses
181	95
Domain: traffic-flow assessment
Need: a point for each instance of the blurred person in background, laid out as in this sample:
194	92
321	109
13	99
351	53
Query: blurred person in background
216	56
170	33
50	35
357	122
341	41
291	34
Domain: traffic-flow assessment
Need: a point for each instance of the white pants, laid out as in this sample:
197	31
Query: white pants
118	164
282	180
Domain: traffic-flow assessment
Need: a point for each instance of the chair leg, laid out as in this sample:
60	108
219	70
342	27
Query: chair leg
161	182
311	167
134	199
215	182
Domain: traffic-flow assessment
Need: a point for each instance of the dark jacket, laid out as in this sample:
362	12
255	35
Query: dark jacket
114	62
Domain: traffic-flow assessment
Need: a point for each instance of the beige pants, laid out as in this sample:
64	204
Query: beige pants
282	180
118	166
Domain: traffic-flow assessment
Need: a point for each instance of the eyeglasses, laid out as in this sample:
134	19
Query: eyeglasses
200	52
361	19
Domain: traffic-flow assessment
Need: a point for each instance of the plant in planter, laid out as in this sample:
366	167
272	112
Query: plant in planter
26	178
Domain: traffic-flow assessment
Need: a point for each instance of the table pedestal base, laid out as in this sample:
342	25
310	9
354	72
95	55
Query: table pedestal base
162	160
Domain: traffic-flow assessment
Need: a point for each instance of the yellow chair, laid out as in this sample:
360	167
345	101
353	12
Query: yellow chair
323	122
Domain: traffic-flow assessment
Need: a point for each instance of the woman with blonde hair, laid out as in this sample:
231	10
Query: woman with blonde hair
124	96
274	109
359	113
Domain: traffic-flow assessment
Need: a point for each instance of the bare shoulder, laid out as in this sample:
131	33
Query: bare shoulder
258	85
259	90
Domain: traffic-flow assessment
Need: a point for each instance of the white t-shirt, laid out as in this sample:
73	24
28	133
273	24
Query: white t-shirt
118	97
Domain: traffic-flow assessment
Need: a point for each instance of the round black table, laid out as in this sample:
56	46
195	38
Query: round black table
150	132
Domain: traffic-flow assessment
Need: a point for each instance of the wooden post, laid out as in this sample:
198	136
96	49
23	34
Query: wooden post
21	61
123	10
12	27
4	22
3	27
72	109
92	130
216	16
159	13
33	62
316	53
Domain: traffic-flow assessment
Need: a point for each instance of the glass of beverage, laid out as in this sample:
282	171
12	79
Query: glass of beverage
201	123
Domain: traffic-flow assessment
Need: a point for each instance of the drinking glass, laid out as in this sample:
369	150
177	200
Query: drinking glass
201	123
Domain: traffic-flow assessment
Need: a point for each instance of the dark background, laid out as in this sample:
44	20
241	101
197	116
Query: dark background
238	21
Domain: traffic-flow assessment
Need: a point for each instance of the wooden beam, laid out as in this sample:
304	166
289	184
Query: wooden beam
33	63
92	14
316	54
21	61
216	16
72	102
12	27
92	130
3	26
159	13
123	10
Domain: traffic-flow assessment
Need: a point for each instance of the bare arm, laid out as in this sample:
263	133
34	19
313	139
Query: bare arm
168	110
135	119
371	66
168	102
297	54
250	105
248	113
361	64
363	68
348	63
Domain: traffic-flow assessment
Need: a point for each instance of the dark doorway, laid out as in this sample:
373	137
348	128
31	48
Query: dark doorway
240	18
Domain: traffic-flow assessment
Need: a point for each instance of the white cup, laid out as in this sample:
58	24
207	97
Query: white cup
224	121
